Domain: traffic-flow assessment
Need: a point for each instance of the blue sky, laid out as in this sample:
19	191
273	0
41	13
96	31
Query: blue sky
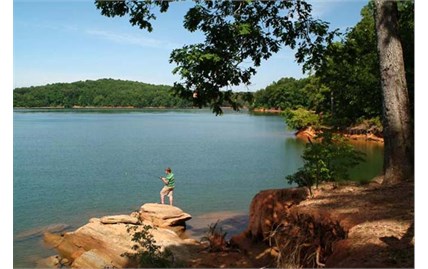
65	41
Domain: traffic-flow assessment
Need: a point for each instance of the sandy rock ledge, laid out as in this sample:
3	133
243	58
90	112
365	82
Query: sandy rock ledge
100	243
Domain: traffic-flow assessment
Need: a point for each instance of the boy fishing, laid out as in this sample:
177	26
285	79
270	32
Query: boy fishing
168	189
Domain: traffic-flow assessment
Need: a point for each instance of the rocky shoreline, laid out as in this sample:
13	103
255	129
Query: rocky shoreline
355	135
347	225
102	242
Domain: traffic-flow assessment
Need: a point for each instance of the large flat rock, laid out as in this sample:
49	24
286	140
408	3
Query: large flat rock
163	215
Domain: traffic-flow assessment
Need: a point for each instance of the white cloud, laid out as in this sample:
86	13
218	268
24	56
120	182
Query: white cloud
120	38
129	39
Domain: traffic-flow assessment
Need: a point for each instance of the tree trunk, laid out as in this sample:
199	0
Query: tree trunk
397	120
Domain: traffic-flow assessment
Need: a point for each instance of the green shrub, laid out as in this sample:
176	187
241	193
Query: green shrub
148	254
300	118
328	160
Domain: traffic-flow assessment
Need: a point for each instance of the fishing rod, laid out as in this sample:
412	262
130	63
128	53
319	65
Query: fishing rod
151	175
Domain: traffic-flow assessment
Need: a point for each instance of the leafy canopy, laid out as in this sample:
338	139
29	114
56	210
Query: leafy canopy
350	68
236	32
346	88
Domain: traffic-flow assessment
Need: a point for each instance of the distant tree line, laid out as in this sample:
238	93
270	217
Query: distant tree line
98	93
107	93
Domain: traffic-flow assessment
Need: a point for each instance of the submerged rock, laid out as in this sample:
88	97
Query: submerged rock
39	231
49	262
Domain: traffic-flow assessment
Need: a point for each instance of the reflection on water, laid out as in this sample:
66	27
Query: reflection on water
368	169
373	164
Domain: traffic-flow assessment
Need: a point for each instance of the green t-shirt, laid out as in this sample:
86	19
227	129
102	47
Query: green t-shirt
171	180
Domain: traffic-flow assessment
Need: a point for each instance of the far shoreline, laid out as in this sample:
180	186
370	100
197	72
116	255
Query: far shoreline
310	133
300	134
122	108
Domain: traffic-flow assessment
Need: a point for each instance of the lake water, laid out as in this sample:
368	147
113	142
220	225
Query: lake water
70	166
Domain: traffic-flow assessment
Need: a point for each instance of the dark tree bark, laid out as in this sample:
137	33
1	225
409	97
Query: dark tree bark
397	119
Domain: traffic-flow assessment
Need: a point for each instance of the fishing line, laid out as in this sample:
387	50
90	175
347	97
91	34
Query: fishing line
150	175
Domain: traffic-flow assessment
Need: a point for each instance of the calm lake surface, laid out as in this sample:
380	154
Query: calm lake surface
70	166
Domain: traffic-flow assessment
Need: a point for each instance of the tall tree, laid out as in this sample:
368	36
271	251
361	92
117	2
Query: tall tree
397	119
351	71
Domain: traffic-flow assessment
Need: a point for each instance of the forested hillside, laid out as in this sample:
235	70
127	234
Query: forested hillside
109	93
98	93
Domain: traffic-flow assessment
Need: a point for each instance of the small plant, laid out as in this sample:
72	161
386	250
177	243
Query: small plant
216	238
328	160
148	254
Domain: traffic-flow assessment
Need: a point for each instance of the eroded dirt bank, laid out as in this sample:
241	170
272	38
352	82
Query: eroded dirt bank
347	226
353	134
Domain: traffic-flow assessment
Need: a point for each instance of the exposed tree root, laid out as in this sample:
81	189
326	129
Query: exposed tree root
304	241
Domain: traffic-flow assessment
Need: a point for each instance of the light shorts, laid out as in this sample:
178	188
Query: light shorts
167	191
